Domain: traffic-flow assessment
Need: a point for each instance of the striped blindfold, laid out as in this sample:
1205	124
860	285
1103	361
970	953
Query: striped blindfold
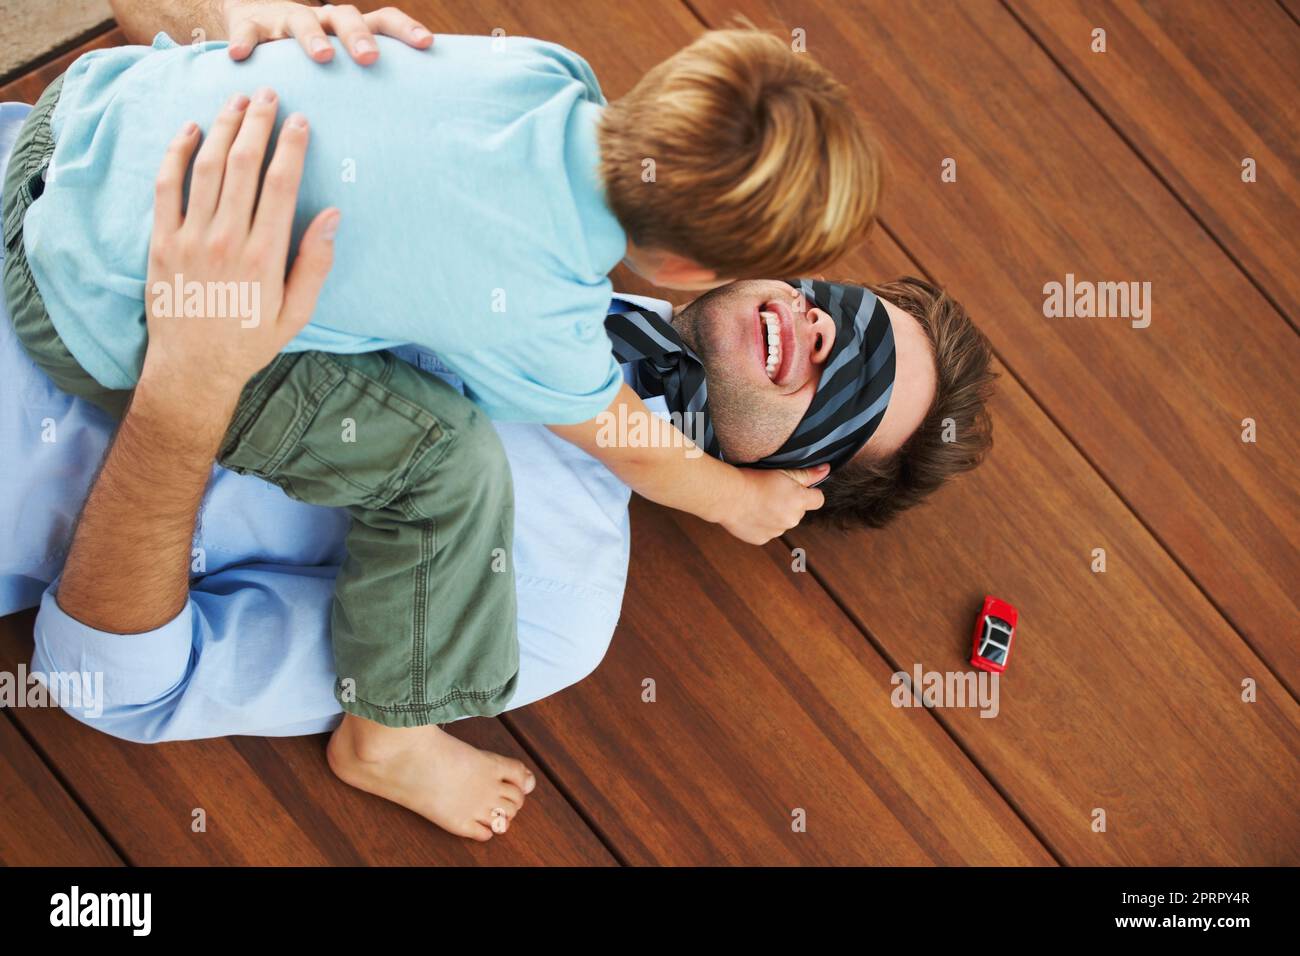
856	382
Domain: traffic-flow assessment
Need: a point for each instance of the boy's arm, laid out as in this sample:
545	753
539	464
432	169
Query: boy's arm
668	468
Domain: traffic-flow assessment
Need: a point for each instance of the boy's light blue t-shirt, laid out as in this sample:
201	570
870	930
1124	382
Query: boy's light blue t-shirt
473	218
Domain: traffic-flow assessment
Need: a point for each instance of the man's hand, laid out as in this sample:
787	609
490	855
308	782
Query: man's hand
773	502
249	22
230	249
128	567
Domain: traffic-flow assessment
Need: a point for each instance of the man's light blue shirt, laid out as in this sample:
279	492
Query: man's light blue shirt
468	181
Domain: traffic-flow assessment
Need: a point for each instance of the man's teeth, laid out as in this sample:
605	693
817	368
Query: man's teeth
773	325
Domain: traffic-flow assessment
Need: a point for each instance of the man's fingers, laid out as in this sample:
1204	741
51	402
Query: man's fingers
243	37
210	163
392	22
244	162
273	221
349	26
815	499
171	181
310	268
305	25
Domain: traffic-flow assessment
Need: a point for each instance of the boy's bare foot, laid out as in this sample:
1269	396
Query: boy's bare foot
466	791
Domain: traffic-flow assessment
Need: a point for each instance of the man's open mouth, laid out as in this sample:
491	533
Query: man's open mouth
776	337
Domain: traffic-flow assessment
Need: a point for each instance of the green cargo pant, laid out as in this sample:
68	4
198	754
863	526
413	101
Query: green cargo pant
424	617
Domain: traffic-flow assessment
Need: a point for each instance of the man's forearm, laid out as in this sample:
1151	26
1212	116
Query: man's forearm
141	20
128	568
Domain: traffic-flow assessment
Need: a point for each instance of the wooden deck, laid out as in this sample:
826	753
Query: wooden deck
1126	690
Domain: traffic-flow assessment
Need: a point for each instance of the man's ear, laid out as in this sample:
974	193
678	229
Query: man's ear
678	272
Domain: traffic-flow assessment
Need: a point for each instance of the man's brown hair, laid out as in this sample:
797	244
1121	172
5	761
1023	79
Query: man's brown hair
761	167
872	490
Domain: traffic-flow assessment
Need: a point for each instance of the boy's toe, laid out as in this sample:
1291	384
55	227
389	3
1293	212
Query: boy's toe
515	772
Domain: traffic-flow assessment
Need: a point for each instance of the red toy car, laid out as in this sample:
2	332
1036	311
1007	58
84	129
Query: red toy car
994	629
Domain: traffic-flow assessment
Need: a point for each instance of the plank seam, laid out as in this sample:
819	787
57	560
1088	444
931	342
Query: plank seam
564	791
948	730
1128	506
71	791
1160	177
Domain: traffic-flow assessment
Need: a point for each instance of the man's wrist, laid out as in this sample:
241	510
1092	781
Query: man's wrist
178	410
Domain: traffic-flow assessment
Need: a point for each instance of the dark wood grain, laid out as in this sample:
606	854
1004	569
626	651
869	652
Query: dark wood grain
40	823
1196	107
768	708
43	825
275	801
1125	687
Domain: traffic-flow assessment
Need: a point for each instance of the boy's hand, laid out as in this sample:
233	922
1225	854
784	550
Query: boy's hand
773	502
668	468
224	256
249	22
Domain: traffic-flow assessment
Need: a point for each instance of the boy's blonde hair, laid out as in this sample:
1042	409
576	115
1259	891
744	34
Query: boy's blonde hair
761	168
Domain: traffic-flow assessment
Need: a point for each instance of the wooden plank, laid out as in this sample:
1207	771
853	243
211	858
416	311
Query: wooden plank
40	823
1125	688
274	801
1023	526
1198	88
769	710
1044	189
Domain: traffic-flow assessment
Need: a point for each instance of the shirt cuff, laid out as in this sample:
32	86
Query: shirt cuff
131	669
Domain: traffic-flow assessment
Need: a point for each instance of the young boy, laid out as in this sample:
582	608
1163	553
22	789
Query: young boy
486	190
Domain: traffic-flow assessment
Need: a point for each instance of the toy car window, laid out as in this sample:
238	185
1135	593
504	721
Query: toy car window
991	651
